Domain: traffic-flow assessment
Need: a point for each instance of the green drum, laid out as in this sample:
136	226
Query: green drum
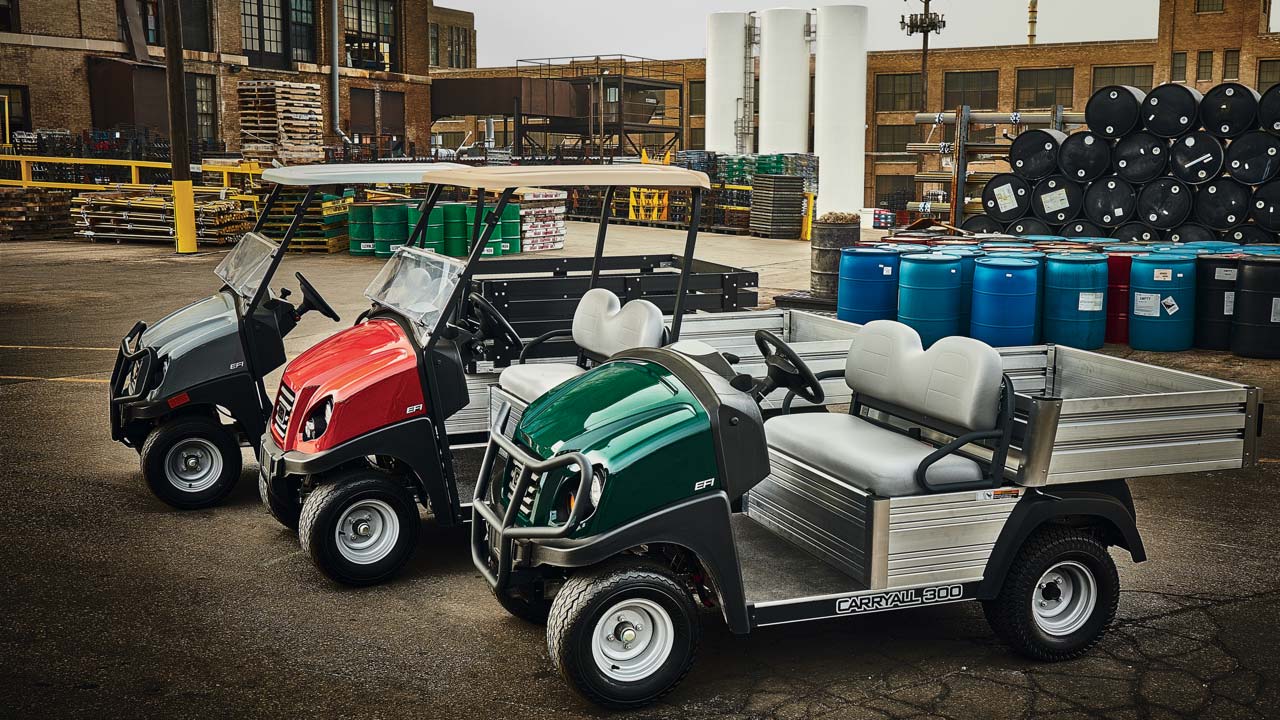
395	212
360	213
510	229
390	231
360	231
386	248
360	247
435	234
511	212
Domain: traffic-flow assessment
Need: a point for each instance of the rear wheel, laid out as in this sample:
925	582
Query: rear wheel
360	527
286	509
623	635
191	462
1059	597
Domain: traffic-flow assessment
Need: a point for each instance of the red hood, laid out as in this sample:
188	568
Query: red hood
371	372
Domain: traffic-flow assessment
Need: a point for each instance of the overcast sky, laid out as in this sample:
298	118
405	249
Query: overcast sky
670	29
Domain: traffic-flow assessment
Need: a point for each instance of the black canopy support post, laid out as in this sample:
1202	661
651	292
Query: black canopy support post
272	197
686	264
424	208
298	213
475	224
464	282
601	232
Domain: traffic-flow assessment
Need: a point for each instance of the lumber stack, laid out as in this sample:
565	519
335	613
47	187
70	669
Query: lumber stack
324	223
35	214
541	218
281	121
138	216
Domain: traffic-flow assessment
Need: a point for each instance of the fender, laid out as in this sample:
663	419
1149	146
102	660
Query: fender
408	441
1109	501
237	393
699	525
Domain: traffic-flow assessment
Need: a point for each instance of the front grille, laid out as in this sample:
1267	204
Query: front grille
526	502
284	408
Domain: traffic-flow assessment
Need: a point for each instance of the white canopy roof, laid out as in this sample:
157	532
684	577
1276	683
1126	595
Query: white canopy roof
548	176
354	173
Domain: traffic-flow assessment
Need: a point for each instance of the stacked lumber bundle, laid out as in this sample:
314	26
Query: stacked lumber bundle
281	121
141	216
35	214
324	224
541	218
777	206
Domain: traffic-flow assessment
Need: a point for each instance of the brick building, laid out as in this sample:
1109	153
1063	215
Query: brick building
1199	42
84	64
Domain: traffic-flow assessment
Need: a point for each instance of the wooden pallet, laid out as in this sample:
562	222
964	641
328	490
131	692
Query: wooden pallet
318	245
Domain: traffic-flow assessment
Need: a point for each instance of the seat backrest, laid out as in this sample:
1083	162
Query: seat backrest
602	325
957	380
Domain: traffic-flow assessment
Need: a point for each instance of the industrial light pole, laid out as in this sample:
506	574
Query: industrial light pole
924	23
184	204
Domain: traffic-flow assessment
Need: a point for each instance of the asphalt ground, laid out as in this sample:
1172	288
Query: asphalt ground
114	605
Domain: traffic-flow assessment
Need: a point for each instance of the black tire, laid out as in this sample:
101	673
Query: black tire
1011	614
326	506
581	604
285	509
210	441
531	608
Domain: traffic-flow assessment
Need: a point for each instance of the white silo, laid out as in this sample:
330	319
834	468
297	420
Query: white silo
784	81
840	107
726	70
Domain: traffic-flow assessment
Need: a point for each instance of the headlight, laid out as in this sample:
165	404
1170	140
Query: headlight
597	487
318	421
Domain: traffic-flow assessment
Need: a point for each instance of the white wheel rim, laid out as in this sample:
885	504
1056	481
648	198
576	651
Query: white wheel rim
193	465
632	640
367	531
1064	598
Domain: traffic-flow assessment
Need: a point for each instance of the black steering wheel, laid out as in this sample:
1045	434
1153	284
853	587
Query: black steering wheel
311	300
787	370
488	319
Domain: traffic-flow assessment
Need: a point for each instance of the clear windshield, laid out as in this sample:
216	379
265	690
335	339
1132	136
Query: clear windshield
245	267
417	284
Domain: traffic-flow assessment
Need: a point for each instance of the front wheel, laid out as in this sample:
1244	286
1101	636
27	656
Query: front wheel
360	528
1059	597
191	462
623	635
286	509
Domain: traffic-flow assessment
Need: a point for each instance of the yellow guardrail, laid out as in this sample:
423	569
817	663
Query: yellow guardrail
225	189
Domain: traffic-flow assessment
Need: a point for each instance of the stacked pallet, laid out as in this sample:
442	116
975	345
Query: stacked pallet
281	121
34	214
323	228
541	218
777	206
139	216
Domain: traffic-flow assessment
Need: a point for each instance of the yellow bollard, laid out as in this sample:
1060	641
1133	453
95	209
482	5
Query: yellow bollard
184	216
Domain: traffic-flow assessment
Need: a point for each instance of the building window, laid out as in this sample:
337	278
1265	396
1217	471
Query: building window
19	117
1045	88
8	15
894	191
894	138
696	139
459	46
195	26
391	113
1231	65
1139	76
979	90
1209	5
435	45
202	105
450	140
263	33
362	112
371	34
302	30
466	47
1204	65
1178	67
697	97
898	92
1268	74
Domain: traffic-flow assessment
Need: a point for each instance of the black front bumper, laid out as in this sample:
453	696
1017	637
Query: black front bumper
129	385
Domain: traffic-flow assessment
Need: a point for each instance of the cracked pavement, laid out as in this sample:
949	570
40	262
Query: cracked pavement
113	605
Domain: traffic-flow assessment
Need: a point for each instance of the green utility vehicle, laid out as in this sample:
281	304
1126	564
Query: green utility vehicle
634	493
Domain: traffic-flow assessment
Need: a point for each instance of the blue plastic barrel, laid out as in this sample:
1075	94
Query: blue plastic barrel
868	288
904	247
1214	246
1004	301
1046	238
1162	302
1183	250
929	295
1039	258
1260	250
967	257
1075	300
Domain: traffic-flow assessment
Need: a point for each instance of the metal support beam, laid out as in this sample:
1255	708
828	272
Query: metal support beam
184	201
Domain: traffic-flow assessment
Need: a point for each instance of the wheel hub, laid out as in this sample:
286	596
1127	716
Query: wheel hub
367	531
193	465
1064	598
633	640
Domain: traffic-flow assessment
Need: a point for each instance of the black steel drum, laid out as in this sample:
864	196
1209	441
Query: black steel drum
1197	157
1254	157
1229	109
1171	109
1109	201
1165	203
1269	109
1114	111
1029	226
1266	206
1006	197
1081	229
1034	153
982	224
1056	199
1191	232
1084	156
1250	234
1255	330
1223	204
1141	157
1215	300
1136	232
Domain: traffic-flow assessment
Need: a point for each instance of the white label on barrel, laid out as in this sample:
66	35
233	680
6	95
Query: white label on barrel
1224	274
1170	305
1146	304
1119	212
1228	303
1055	201
886	269
1005	197
366	246
1275	309
1090	302
1163	274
